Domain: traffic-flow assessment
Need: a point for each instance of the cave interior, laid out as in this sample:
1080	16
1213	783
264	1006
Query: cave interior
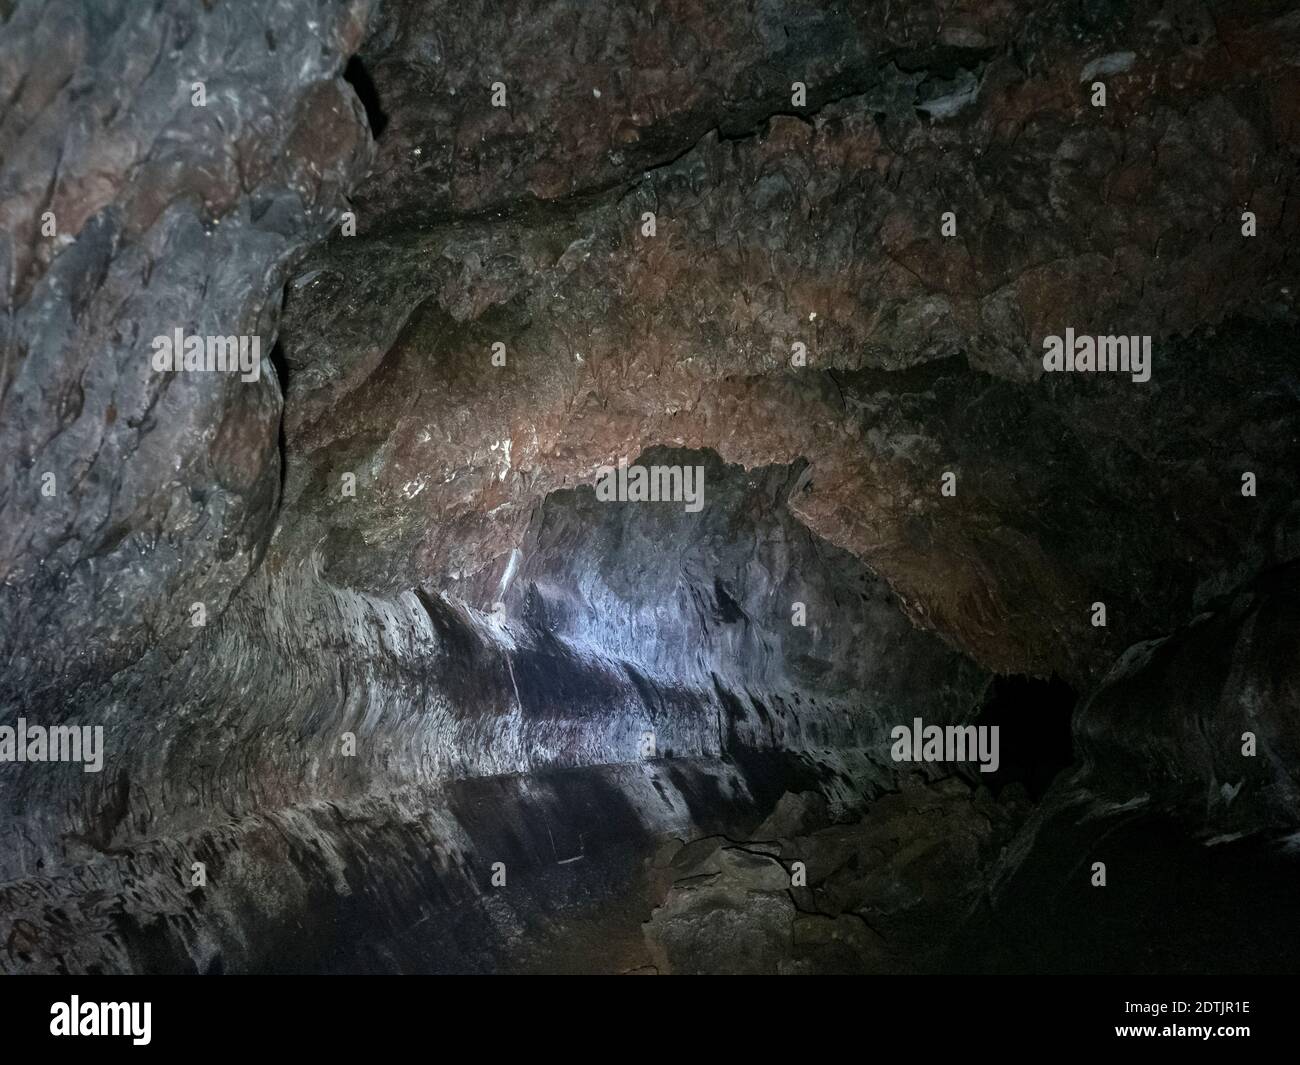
638	442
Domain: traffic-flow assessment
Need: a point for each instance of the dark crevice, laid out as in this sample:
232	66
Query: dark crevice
281	365
356	75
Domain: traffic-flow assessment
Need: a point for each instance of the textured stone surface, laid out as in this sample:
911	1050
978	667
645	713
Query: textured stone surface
1206	722
168	216
517	733
887	892
823	229
434	690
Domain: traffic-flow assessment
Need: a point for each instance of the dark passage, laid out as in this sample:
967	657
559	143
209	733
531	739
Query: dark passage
1033	717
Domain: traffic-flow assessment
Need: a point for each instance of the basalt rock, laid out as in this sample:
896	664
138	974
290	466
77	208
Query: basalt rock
1210	715
360	628
126	211
883	893
461	365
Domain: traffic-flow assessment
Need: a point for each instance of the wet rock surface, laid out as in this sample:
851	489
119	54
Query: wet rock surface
425	646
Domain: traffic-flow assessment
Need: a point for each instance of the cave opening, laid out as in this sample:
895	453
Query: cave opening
1034	716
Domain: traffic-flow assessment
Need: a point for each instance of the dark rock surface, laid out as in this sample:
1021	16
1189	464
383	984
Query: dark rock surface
167	215
823	228
499	644
886	892
1209	715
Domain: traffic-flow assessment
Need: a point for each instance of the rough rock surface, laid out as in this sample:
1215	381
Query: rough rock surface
823	228
1175	718
886	892
165	216
517	732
